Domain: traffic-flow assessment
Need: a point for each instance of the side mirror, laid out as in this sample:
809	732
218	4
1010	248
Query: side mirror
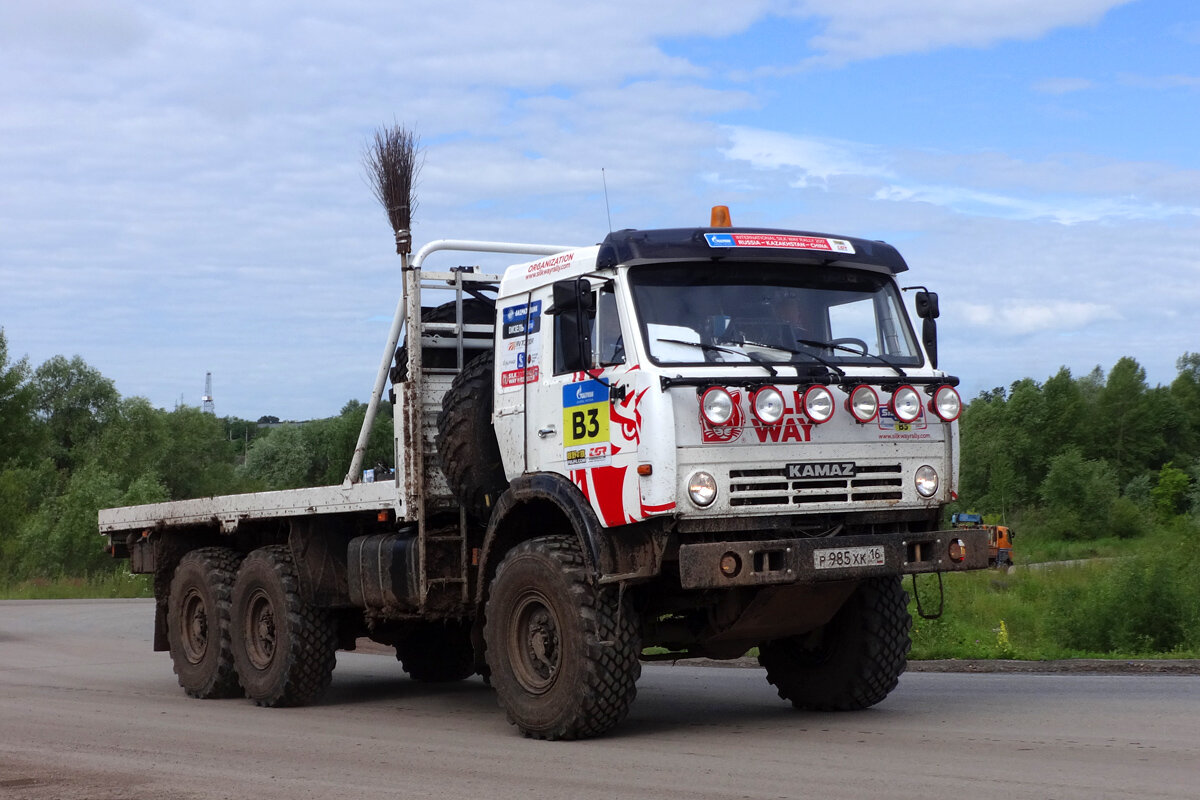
927	305
573	295
574	307
927	309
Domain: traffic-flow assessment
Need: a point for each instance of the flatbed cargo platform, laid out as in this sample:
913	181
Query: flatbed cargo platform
229	510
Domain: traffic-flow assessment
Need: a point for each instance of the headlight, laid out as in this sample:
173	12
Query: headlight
768	405
702	489
906	403
927	481
863	403
946	403
818	404
716	405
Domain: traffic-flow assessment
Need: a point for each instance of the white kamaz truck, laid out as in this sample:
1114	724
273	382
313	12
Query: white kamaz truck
678	443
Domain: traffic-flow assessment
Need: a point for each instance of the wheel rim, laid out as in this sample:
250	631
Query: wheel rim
261	635
194	627
534	643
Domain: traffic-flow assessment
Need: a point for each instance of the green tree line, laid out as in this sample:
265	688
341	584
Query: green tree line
1070	458
1085	458
1101	473
70	445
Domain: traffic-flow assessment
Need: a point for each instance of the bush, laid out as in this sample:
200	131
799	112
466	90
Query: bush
1138	489
1148	604
1079	494
1126	520
1170	493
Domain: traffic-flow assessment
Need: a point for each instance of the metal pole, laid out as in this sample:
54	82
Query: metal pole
354	474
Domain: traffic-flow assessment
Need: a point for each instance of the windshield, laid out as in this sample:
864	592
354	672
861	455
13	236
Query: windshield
712	312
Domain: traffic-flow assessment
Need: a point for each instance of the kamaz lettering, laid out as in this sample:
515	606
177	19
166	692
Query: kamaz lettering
821	469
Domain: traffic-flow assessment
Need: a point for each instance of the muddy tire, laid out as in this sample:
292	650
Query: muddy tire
563	655
438	652
466	441
475	312
285	649
852	662
198	623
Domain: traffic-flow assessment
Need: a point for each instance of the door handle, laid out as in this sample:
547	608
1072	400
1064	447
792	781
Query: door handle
549	430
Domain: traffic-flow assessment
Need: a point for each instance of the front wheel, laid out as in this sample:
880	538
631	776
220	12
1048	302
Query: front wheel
562	651
854	660
284	648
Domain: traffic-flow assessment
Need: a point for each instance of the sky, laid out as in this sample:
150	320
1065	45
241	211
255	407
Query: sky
182	188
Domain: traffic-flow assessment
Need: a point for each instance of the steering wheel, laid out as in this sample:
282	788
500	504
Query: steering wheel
845	340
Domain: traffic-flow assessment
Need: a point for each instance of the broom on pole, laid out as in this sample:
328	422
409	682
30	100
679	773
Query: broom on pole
392	161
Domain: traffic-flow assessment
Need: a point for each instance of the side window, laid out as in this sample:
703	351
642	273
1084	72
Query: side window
598	333
608	346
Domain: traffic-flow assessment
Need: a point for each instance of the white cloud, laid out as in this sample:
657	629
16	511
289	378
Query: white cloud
1158	82
1063	85
186	195
1067	191
1063	210
862	29
808	158
73	28
1019	318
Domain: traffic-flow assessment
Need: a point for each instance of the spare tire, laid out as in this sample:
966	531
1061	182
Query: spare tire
475	312
466	441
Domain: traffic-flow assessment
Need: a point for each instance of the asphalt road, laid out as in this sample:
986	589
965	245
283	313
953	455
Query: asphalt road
87	710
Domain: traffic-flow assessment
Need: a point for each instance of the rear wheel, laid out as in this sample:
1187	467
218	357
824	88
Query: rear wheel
562	652
284	648
853	661
198	623
438	652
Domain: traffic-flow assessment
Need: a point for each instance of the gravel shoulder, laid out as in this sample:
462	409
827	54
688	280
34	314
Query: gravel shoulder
1071	666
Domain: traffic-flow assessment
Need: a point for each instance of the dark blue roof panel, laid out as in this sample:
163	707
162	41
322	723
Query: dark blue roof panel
745	244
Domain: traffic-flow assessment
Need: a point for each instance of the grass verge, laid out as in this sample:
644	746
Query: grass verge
1144	603
96	585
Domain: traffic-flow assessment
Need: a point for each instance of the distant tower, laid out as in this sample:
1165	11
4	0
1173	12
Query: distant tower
207	406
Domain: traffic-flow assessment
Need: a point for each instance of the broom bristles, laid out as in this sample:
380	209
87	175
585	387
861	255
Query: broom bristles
393	161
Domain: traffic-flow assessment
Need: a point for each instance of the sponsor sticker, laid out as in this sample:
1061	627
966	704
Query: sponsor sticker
520	333
549	266
779	240
522	319
585	424
892	428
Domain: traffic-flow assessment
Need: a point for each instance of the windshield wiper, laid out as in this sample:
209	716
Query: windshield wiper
717	348
829	364
855	351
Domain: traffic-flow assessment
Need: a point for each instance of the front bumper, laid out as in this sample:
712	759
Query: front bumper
799	561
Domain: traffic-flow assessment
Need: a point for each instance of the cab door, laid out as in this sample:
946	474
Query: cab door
576	424
519	367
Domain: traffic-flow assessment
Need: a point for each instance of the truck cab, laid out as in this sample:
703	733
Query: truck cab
727	380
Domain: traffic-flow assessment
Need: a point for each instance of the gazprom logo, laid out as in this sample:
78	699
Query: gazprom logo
719	239
584	393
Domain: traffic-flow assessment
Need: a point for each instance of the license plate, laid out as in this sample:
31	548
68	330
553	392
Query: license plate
844	557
